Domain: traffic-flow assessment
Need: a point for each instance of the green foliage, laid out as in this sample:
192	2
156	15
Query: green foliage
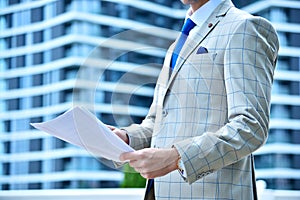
132	179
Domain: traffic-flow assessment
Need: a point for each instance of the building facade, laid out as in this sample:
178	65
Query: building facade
52	54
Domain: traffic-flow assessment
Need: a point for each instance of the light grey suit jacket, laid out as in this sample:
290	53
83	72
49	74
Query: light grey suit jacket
214	107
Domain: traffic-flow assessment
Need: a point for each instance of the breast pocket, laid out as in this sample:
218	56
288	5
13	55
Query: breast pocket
198	65
201	73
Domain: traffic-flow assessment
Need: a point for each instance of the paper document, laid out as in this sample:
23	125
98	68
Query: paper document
80	127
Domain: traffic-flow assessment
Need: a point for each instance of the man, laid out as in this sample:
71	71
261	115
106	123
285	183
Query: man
210	110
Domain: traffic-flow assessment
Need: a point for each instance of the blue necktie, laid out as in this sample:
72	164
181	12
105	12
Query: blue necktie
187	27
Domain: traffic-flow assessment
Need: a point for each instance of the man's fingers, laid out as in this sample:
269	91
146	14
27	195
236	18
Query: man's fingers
155	174
110	127
124	156
128	156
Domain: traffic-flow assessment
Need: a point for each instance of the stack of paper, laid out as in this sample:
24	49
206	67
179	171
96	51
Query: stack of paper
80	127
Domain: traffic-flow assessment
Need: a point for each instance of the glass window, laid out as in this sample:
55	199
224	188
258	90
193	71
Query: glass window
109	8
21	40
38	58
37	79
58	144
35	145
5	187
296	162
67	96
58	165
38	37
293	15
281	87
70	72
21	125
60	6
36	14
13	104
35	167
8	20
7	147
57	31
8	42
34	186
8	62
37	101
6	168
282	161
20	61
57	53
13	83
280	111
12	2
279	135
7	126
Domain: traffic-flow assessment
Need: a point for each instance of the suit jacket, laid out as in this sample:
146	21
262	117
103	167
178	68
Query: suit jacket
214	107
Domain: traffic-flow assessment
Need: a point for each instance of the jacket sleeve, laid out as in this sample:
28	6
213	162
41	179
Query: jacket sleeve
140	134
249	62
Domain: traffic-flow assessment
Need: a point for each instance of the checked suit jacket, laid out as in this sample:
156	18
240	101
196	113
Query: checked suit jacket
213	107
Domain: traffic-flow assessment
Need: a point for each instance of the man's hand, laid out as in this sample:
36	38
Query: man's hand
121	133
152	162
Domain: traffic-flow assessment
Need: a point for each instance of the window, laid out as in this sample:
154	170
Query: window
8	42
57	31
37	79
38	58
13	104
13	83
37	101
34	186
12	2
8	63
57	53
20	40
58	165
7	126
35	145
280	111
67	96
38	37
35	167
5	187
6	168
36	14
20	61
8	20
70	72
7	147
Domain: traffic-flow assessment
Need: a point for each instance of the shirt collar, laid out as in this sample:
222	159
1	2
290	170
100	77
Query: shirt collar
202	14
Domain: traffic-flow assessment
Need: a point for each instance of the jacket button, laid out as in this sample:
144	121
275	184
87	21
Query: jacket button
164	113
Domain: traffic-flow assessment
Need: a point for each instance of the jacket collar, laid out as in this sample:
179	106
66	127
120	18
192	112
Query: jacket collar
200	34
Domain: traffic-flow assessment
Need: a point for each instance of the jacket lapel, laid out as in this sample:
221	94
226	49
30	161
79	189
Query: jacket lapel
195	40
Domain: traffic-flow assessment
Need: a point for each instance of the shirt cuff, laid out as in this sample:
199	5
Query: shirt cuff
181	169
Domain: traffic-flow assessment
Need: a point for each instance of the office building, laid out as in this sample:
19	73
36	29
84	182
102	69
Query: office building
55	54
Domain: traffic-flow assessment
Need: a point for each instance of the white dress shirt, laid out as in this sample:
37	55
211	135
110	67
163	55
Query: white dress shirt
201	15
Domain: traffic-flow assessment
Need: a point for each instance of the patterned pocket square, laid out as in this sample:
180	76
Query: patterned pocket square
202	50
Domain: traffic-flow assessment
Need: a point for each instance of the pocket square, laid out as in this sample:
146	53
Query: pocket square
202	50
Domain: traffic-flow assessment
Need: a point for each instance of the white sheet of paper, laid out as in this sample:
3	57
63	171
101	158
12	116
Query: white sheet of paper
80	127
